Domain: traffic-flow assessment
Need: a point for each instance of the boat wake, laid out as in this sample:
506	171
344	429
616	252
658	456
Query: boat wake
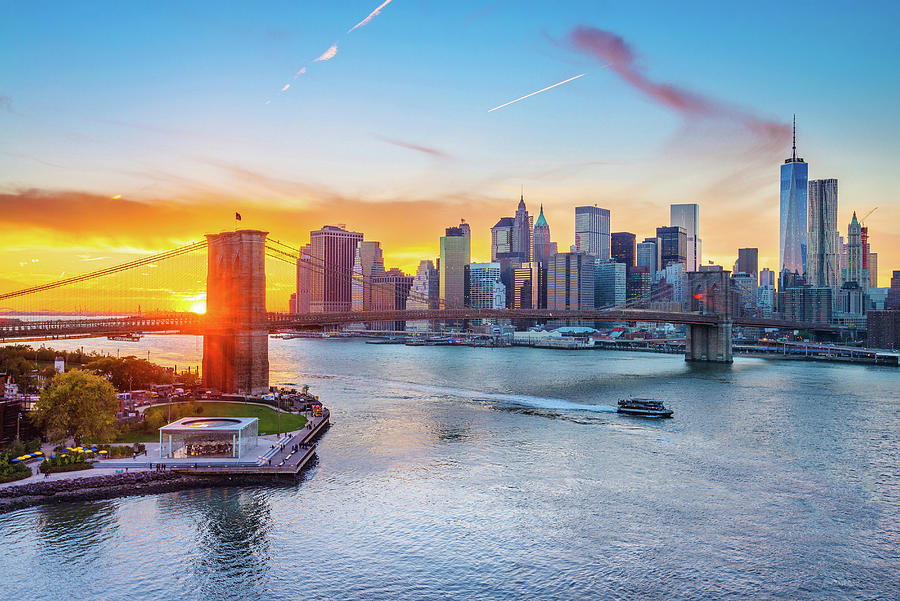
497	400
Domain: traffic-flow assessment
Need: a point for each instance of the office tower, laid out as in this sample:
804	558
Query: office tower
864	243
853	300
523	224
637	284
647	255
543	247
873	270
855	271
292	303
672	246
501	238
484	290
527	281
455	256
767	277
570	281
390	290
623	248
675	275
592	231
748	261
425	292
367	264
793	231
304	279
332	251
822	257
609	283
688	217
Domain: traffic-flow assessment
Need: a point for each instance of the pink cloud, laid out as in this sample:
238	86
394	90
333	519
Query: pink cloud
613	51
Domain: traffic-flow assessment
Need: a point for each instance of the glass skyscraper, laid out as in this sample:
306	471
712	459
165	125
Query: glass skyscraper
793	236
688	217
455	256
592	231
823	262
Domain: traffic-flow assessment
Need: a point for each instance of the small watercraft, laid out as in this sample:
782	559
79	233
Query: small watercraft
644	408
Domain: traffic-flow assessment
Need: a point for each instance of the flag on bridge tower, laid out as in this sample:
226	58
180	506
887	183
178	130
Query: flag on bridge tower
237	216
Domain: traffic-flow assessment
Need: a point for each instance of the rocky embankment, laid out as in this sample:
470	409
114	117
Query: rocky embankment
102	487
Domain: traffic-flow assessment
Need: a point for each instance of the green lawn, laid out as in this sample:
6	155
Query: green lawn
268	420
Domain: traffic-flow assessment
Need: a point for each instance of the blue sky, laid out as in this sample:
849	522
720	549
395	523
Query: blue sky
166	102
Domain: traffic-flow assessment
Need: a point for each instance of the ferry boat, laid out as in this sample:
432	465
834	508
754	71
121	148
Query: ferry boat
125	337
644	408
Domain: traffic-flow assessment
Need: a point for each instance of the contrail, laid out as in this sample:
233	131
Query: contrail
328	54
371	16
538	92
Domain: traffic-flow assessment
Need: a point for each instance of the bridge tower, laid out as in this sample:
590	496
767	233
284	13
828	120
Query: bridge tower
709	294
236	339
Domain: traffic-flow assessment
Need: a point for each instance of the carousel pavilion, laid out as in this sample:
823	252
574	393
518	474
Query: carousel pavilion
208	437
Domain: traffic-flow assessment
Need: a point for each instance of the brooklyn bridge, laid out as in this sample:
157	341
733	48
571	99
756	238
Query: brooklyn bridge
236	323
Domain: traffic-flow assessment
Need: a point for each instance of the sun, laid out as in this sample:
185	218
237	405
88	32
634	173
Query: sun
198	306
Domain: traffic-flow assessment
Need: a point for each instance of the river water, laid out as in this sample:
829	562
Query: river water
471	473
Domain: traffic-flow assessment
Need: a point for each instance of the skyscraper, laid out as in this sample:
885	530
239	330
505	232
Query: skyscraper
609	283
527	281
793	232
501	238
767	277
592	234
688	217
822	258
748	261
455	256
484	290
367	264
647	255
425	292
523	224
623	248
570	281
304	280
543	247
855	271
671	245
332	251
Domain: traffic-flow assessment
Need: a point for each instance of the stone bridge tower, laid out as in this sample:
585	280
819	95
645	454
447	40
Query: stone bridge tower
709	294
236	338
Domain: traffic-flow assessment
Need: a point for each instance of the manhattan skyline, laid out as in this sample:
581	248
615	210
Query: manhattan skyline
118	143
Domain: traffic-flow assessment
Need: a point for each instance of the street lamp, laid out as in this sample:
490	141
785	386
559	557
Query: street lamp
18	421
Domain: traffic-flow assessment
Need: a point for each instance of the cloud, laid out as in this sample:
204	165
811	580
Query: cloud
618	55
285	88
328	54
417	147
300	72
371	16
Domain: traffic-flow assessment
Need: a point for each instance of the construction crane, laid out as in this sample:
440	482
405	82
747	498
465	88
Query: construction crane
863	220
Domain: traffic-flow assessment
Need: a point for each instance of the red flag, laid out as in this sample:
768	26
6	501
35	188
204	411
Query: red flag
237	216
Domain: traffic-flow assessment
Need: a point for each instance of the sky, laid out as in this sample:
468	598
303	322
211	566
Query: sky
133	127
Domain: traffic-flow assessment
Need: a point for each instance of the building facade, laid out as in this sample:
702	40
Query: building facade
425	293
855	271
332	252
543	248
793	224
823	251
368	263
609	284
671	245
592	233
647	255
455	256
527	286
570	281
304	281
747	261
687	216
484	290
883	329
623	248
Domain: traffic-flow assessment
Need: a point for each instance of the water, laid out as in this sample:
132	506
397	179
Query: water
467	473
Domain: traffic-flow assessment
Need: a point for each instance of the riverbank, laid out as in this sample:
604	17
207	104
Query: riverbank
103	487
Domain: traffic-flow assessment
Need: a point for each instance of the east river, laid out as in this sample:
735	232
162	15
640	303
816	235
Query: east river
471	473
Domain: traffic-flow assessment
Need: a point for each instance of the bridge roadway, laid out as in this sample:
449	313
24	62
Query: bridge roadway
197	324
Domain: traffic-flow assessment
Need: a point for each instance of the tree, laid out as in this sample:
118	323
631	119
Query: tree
130	373
78	404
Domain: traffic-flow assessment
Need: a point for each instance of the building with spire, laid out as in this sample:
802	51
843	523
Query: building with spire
855	271
793	230
543	248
